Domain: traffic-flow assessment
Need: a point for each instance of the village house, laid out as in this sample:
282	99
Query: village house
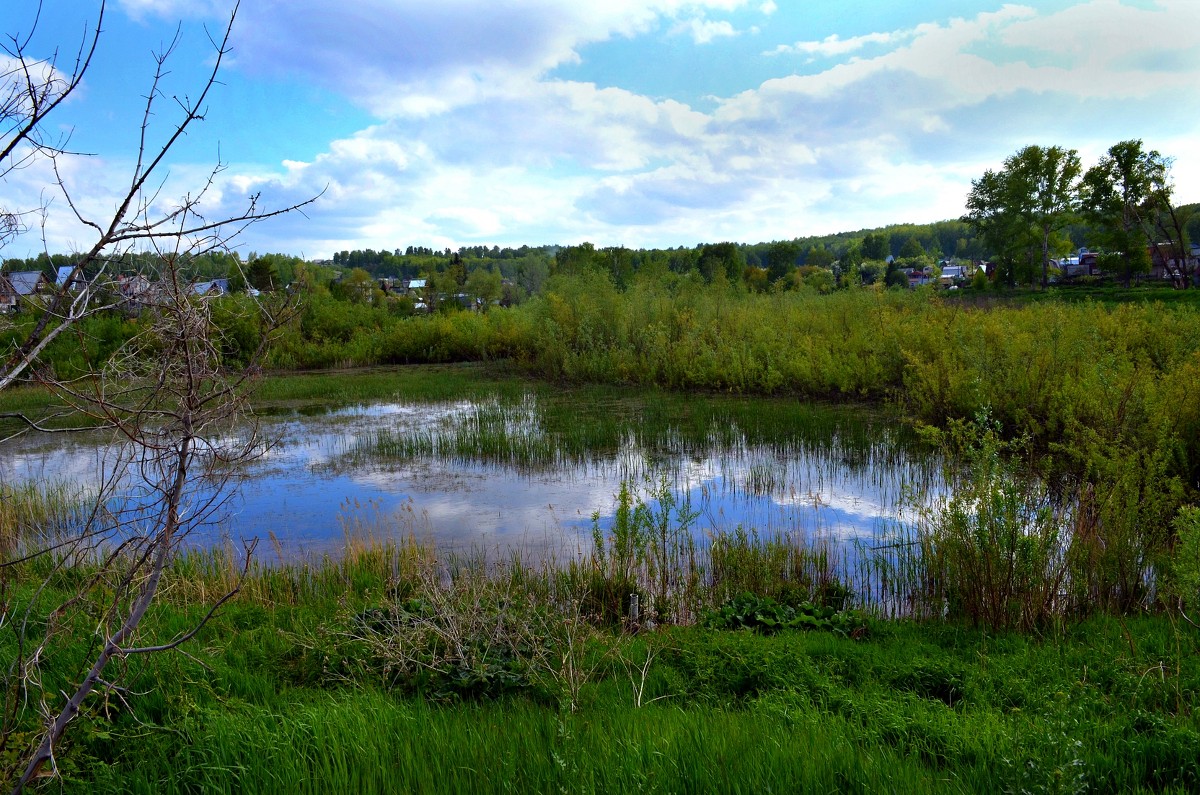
8	295
212	288
952	275
27	283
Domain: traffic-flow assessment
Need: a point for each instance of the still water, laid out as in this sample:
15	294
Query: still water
534	471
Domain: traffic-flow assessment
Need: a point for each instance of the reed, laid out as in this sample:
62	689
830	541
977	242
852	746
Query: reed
32	514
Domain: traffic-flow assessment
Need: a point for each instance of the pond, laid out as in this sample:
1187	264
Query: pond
534	468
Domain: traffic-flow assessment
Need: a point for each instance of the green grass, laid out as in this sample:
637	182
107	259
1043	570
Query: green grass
277	695
367	742
345	387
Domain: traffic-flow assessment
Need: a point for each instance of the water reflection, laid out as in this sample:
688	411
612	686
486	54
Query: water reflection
533	472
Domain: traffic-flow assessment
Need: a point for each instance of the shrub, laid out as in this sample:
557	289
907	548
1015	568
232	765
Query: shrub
993	550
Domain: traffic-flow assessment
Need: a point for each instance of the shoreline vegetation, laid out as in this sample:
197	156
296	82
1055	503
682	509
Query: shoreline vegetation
1049	645
390	669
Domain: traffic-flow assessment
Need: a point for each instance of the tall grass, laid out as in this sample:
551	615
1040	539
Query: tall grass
915	709
394	666
32	514
367	743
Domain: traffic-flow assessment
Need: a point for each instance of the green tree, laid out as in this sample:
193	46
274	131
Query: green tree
1044	181
262	274
911	249
781	259
485	285
1167	227
853	255
875	246
819	257
574	260
721	260
357	287
237	278
1037	189
1114	194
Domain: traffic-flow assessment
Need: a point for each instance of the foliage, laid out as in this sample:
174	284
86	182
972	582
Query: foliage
481	634
993	550
1116	193
649	551
275	696
1028	201
764	614
1183	584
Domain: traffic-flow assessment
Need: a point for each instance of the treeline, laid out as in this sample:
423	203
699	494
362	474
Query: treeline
759	264
823	262
1126	199
265	271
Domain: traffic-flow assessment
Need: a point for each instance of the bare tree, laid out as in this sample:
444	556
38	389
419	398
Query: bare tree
184	429
177	411
33	88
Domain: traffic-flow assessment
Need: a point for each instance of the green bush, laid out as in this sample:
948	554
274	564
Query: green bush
764	614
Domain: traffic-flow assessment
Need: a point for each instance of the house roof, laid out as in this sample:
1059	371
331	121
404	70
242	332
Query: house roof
65	274
204	288
26	282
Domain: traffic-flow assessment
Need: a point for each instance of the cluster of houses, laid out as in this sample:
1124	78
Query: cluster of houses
132	290
949	274
21	285
953	273
1165	262
418	290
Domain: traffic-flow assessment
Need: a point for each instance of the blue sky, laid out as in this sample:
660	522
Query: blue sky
654	123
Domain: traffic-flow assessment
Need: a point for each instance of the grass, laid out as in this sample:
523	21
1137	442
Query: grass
369	743
31	513
281	693
343	387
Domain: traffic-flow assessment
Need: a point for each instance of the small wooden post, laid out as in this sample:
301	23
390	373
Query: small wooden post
634	610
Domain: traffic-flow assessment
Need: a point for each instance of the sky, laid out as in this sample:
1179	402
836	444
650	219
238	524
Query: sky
659	123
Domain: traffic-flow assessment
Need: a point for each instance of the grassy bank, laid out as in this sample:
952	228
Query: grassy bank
296	687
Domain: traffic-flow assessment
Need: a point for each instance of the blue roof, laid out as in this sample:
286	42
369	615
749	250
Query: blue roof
25	282
203	288
64	274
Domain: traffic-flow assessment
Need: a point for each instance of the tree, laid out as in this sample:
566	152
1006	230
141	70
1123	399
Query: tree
875	247
169	393
357	287
819	257
262	274
721	261
781	259
912	249
485	286
1034	194
1114	194
1167	225
1046	181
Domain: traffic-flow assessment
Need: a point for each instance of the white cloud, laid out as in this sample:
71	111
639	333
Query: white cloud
476	142
413	57
835	45
704	31
864	142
